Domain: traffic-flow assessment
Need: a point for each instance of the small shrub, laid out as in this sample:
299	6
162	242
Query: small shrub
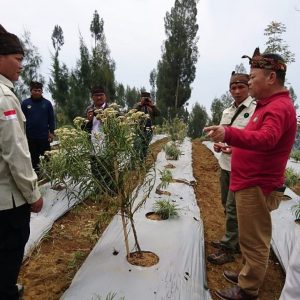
295	155
296	210
176	128
166	178
172	151
165	209
291	177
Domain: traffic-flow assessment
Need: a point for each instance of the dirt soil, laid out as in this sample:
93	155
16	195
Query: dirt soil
50	269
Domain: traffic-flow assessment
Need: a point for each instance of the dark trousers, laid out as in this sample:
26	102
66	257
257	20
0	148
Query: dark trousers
37	147
142	143
230	240
14	234
104	175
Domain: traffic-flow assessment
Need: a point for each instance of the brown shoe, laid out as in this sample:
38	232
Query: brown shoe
235	293
220	257
232	277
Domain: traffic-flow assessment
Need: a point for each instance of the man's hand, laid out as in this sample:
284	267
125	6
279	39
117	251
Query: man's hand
227	149
218	147
216	133
90	115
50	137
37	206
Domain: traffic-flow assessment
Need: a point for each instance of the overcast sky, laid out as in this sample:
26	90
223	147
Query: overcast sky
134	32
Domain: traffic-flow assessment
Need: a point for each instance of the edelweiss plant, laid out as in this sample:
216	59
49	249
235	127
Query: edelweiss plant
176	128
165	209
295	155
105	164
296	211
166	178
172	151
291	177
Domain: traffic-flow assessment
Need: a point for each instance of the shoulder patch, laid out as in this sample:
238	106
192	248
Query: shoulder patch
10	114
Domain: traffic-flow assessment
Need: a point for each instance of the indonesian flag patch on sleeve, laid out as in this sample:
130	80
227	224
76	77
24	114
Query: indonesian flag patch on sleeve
10	114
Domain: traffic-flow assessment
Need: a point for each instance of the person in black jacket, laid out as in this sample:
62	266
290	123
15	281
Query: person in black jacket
147	106
40	123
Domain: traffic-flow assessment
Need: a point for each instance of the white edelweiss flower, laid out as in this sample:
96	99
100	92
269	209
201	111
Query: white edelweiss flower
98	111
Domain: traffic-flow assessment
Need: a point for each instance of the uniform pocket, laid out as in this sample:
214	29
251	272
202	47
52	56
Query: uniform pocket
273	200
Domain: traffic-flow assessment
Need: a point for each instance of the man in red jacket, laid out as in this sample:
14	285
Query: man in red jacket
259	156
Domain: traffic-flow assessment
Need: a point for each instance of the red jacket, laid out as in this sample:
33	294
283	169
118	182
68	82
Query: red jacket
261	150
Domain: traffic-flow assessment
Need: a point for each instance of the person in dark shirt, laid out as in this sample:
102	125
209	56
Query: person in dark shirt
40	123
147	106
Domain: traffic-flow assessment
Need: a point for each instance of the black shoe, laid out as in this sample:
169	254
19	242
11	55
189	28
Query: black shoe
231	277
20	290
216	244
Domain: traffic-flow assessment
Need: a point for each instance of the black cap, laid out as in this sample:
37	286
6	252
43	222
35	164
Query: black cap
9	43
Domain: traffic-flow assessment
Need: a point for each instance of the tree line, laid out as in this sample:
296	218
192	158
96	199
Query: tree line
170	81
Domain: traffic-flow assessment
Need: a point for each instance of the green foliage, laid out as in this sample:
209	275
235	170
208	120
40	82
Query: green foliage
291	177
275	42
132	96
77	258
172	151
176	69
296	210
293	97
217	107
165	209
102	164
152	81
166	178
295	155
31	64
240	68
57	38
176	128
96	27
197	121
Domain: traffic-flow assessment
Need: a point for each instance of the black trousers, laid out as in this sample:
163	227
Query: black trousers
14	234
37	147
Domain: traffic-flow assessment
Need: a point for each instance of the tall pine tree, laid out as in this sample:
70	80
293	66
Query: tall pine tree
176	70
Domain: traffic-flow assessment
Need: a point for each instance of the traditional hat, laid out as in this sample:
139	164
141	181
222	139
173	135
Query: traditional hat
97	90
36	85
9	43
239	78
145	94
269	63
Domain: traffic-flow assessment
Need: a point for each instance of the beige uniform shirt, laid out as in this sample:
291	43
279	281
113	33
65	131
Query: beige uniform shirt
18	181
240	122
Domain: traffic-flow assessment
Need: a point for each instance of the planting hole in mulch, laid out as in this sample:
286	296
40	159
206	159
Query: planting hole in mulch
143	258
154	216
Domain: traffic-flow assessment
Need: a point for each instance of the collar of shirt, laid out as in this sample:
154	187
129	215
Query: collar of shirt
247	102
267	100
6	82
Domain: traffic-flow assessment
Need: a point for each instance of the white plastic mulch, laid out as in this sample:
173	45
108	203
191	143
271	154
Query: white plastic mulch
285	238
56	204
179	243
